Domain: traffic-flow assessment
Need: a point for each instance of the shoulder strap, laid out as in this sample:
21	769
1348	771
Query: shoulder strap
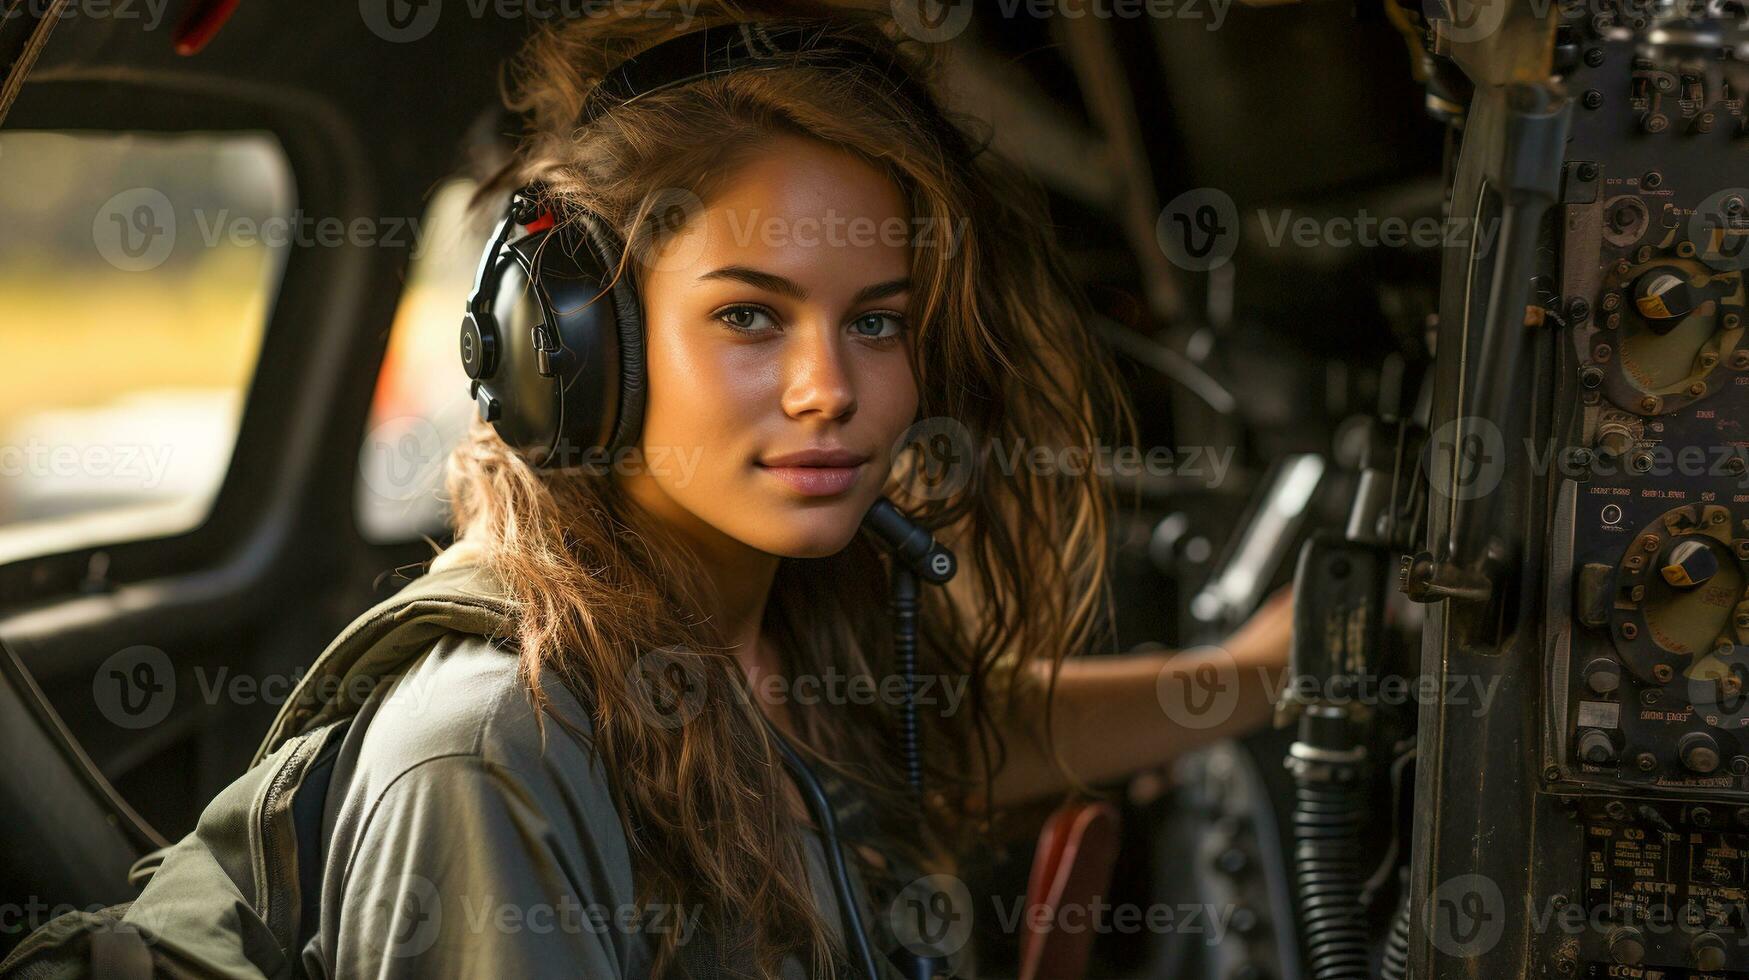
464	597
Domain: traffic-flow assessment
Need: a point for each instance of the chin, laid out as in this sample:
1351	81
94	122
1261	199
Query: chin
815	529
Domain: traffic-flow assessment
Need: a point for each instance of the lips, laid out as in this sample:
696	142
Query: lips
816	472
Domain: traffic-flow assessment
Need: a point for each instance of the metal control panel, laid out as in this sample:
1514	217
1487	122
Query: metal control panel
1647	720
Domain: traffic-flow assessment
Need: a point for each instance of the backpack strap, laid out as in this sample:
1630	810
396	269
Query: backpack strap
464	597
307	807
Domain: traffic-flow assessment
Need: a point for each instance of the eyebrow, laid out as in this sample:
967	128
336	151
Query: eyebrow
788	287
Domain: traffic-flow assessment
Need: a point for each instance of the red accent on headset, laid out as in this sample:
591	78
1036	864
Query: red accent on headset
541	223
200	22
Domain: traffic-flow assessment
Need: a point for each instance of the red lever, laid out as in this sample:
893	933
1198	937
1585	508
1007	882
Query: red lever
200	23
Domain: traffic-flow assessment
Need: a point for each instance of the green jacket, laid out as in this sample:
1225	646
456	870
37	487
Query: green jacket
406	779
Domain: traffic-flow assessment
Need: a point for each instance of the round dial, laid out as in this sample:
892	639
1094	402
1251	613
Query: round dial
1670	325
1681	611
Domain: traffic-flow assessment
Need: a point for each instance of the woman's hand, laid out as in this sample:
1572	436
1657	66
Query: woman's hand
1115	716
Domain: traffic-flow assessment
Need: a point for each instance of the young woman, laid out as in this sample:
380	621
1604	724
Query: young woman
852	268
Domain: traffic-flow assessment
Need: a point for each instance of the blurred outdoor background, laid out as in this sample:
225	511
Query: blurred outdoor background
137	274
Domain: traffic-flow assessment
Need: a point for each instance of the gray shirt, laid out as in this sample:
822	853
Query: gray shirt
461	846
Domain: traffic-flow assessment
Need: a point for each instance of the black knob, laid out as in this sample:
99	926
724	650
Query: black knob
479	348
1689	564
1663	296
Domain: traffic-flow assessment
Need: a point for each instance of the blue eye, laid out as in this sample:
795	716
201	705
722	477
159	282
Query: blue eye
746	319
877	326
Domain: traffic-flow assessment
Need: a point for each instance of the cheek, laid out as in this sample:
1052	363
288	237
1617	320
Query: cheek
888	395
696	392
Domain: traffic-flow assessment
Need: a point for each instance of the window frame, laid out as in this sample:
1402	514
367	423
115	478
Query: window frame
325	328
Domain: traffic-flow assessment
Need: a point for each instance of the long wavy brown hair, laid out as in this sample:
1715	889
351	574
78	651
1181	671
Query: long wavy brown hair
1005	362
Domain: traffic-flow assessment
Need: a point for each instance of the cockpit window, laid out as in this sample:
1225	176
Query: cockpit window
136	276
421	407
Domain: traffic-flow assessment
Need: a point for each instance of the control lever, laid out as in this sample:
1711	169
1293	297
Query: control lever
1525	175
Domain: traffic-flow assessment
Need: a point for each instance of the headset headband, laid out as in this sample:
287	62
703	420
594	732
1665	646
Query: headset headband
726	48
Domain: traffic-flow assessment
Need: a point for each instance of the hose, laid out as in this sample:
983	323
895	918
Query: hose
1396	966
1327	859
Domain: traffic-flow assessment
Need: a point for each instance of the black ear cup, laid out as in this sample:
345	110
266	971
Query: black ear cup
628	311
553	342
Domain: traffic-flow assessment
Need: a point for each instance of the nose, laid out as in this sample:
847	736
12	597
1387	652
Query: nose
818	374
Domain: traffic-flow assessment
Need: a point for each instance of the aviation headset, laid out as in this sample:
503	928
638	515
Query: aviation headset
552	340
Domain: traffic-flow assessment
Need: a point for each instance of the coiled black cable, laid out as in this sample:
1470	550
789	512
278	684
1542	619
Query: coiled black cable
1327	857
1396	965
904	608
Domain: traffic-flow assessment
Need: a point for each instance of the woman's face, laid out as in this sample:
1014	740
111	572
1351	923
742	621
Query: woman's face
776	337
